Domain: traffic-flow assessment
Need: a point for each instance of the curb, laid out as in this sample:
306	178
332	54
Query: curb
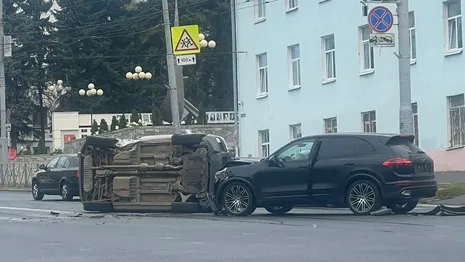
8	189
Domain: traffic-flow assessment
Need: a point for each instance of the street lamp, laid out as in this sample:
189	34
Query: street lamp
204	43
59	87
139	74
91	91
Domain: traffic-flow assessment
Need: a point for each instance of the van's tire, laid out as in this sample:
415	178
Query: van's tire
105	207
185	207
363	197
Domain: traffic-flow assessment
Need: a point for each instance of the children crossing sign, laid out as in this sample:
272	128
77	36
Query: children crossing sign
185	39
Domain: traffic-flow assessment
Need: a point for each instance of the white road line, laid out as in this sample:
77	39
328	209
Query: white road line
36	210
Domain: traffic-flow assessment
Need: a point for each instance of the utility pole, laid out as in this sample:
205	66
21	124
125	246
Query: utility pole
3	136
405	92
171	69
179	72
234	71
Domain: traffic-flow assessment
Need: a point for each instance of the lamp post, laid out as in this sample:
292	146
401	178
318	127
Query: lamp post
92	91
204	43
139	74
59	88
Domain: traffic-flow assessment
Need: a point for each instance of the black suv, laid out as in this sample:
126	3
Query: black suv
362	171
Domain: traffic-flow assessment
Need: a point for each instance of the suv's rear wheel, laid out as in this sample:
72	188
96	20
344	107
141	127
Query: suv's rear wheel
279	210
401	209
363	197
238	199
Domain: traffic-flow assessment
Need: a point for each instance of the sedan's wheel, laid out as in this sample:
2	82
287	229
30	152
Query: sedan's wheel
404	208
65	192
36	194
363	197
238	200
279	210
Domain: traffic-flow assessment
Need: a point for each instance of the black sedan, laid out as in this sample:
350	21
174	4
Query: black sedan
58	177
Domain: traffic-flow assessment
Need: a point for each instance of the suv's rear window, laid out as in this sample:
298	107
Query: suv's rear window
402	145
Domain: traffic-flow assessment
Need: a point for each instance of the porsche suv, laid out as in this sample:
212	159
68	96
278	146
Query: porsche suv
361	171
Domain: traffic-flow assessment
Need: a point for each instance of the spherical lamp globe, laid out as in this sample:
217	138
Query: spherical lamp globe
60	82
212	44
91	86
148	75
203	43
129	75
100	92
82	92
138	69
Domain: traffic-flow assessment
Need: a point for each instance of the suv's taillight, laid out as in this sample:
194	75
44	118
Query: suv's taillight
397	162
78	174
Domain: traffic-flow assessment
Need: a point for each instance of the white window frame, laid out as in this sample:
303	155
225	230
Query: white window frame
369	126
330	125
413	37
292	5
415	123
363	44
329	73
262	75
260	10
264	142
458	29
456	121
294	61
295	131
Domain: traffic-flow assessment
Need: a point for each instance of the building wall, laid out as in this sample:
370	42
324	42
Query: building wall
434	75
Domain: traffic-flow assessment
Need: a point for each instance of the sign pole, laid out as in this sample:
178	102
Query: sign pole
405	94
171	70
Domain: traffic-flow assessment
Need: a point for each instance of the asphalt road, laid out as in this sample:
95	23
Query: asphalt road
29	232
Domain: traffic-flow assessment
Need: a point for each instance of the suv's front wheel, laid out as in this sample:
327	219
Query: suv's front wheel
363	197
238	199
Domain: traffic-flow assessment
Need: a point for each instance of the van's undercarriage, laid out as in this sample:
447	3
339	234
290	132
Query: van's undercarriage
156	173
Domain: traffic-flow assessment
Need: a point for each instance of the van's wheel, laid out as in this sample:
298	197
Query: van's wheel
402	209
238	200
279	210
36	194
64	191
363	197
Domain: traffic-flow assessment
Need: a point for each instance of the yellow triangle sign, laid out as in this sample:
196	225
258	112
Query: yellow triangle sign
186	42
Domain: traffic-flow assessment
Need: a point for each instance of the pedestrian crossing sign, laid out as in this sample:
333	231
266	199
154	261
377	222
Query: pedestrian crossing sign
185	39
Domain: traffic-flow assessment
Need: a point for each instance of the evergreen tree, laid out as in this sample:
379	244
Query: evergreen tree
134	116
157	120
114	123
123	123
94	128
103	126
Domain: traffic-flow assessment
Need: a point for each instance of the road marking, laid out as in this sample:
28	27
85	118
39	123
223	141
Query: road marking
35	210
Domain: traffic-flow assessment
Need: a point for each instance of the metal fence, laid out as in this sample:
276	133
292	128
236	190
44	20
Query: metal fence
18	175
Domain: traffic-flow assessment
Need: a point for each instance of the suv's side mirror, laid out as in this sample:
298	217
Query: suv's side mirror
42	166
273	161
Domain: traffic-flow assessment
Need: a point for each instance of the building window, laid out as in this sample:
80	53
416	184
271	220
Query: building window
264	140
295	131
330	125
260	9
329	60
369	121
415	123
457	120
367	54
294	66
291	4
262	73
413	38
453	14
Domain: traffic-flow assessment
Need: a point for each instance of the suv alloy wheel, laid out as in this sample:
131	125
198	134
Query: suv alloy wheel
363	197
238	200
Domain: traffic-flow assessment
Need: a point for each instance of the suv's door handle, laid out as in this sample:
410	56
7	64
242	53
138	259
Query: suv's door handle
349	164
302	167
